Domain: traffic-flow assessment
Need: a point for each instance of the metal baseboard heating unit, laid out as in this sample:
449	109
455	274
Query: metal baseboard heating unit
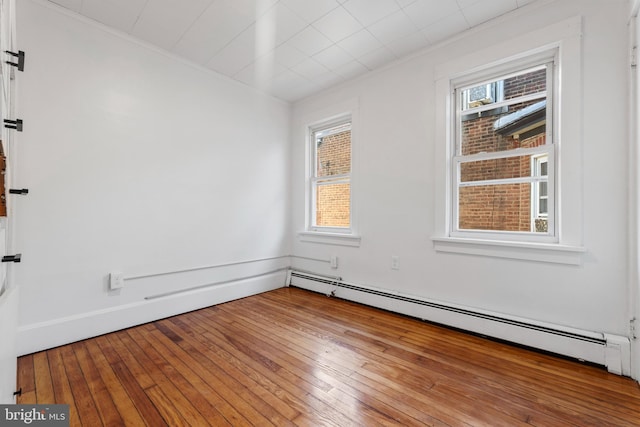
612	351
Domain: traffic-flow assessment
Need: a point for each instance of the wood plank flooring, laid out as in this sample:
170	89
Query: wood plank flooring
295	358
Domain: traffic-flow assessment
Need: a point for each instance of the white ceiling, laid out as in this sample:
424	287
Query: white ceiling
292	48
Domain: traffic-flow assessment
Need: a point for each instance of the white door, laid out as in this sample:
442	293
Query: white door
8	292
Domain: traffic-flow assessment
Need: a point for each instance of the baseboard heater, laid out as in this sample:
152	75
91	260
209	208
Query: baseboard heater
611	351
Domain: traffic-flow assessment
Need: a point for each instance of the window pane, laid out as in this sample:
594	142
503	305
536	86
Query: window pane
333	150
526	84
543	206
543	190
504	207
482	95
519	125
543	168
333	205
509	167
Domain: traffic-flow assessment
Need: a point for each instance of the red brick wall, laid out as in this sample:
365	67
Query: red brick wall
333	201
498	207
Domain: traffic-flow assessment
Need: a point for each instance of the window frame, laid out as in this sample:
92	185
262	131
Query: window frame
566	37
497	73
314	181
536	197
322	117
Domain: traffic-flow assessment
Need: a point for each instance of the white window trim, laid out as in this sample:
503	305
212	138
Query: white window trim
566	36
328	235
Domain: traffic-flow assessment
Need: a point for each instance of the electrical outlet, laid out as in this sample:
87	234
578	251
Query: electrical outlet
116	280
395	262
334	261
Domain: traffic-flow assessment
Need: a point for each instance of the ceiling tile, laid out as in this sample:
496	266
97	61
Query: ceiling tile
409	44
483	11
283	21
236	55
466	3
310	11
337	24
291	86
310	41
333	57
360	43
328	79
288	56
425	12
310	69
163	22
75	5
368	12
119	14
291	92
404	3
259	73
523	2
393	27
212	31
288	79
446	27
351	69
377	58
253	8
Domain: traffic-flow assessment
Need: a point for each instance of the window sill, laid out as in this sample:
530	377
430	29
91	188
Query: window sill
541	252
330	238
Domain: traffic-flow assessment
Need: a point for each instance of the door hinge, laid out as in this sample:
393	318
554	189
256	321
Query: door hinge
20	55
632	328
634	56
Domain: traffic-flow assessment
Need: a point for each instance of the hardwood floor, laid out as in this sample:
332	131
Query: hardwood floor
292	357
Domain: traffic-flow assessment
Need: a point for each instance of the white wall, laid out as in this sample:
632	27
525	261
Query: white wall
138	162
634	159
395	190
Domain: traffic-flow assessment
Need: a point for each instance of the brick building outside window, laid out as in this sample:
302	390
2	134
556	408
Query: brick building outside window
331	180
503	151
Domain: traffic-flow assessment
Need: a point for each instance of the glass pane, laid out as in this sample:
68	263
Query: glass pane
333	205
543	206
481	95
543	168
509	167
504	207
543	190
333	150
526	83
519	125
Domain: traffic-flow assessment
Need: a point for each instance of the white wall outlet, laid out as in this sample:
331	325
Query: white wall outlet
334	261
395	262
116	280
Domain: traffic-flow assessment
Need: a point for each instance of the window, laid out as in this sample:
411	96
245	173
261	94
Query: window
540	196
482	95
457	227
502	162
330	181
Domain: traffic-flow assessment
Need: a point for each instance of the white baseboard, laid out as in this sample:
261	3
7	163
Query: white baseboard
612	351
41	336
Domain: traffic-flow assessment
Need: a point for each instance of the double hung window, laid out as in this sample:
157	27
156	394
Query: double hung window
503	159
330	180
